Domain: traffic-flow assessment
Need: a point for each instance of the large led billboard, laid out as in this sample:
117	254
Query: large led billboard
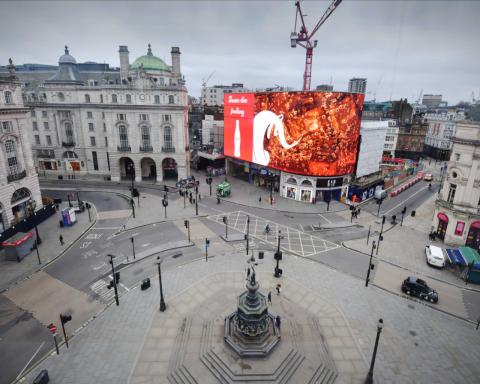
309	133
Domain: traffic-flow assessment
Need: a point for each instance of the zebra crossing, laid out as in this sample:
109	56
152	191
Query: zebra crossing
100	289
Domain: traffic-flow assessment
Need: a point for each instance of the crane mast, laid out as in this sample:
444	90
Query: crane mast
304	38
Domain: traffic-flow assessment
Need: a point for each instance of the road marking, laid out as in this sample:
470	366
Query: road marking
324	218
109	228
145	245
404	201
93	236
29	361
85	244
122	285
97	267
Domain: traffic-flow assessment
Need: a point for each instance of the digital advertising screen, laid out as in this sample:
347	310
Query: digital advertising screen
309	133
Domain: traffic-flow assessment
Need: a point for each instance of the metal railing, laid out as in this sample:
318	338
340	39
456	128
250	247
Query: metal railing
68	144
16	176
168	149
146	148
124	148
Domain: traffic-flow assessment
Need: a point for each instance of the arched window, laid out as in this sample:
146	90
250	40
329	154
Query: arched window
8	97
61	96
87	98
129	99
123	135
307	183
11	154
20	194
171	100
167	137
69	133
291	180
145	136
114	98
157	99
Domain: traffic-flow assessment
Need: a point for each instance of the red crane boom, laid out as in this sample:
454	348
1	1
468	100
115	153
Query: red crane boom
304	39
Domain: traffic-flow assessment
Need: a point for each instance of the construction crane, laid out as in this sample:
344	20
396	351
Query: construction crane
304	38
419	100
204	85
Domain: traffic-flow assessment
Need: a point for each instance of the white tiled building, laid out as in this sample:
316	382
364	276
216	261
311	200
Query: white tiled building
371	148
391	138
457	210
213	96
132	123
212	132
19	189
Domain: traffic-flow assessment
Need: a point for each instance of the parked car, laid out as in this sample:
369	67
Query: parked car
428	177
435	256
417	287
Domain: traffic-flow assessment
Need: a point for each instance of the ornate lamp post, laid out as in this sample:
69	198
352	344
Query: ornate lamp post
165	204
369	379
370	264
163	306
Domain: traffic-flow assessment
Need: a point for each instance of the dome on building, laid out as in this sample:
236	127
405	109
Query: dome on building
150	62
66	58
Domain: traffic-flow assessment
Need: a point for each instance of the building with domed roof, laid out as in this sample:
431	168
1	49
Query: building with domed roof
91	119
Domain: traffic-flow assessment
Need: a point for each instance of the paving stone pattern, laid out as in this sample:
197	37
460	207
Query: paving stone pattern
417	345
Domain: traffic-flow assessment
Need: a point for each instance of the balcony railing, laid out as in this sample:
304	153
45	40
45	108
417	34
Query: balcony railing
68	143
146	148
168	149
16	176
124	148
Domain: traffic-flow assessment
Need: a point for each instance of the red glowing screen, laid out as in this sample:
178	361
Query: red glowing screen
310	133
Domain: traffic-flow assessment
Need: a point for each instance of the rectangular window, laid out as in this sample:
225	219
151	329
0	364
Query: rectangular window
143	117
7	126
104	127
167	118
106	142
114	98
49	139
121	116
103	115
35	125
459	228
157	99
129	99
101	98
37	139
451	193
44	114
89	115
95	160
90	127
171	100
32	113
46	126
11	152
93	142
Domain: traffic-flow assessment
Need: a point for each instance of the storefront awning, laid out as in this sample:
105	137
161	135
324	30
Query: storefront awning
442	217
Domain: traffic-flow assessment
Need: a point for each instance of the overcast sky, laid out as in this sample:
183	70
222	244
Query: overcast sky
400	47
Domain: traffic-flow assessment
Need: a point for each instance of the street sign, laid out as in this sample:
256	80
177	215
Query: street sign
53	328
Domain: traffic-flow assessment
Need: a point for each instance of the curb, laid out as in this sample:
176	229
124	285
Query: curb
43	266
406	269
128	263
158	222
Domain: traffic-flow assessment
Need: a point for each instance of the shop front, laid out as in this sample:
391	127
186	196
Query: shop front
239	169
442	225
473	237
358	192
312	189
264	177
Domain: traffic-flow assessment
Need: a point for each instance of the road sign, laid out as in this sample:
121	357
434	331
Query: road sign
53	328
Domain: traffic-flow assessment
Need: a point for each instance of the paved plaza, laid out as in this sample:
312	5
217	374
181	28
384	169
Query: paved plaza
113	348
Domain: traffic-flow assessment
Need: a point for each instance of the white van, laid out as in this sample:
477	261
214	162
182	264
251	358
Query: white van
435	256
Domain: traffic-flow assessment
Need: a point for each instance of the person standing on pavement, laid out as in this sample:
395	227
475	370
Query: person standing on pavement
269	296
278	289
260	199
278	322
60	238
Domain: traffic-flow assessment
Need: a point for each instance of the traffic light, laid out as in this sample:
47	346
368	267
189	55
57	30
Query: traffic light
207	242
224	219
404	210
64	318
117	277
278	255
186	223
383	219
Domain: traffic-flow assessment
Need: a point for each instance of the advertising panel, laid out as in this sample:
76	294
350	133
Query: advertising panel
309	133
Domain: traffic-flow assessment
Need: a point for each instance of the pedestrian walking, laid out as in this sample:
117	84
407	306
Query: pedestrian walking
278	322
269	296
260	199
61	239
278	287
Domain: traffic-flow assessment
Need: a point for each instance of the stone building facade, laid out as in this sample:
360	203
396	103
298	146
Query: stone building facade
457	209
131	123
411	139
19	189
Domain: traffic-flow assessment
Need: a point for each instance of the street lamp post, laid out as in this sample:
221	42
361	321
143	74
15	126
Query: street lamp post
163	307
379	202
380	235
88	210
404	210
225	221
248	231
278	255
209	182
132	239
370	264
369	379
196	199
114	278
38	254
187	225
